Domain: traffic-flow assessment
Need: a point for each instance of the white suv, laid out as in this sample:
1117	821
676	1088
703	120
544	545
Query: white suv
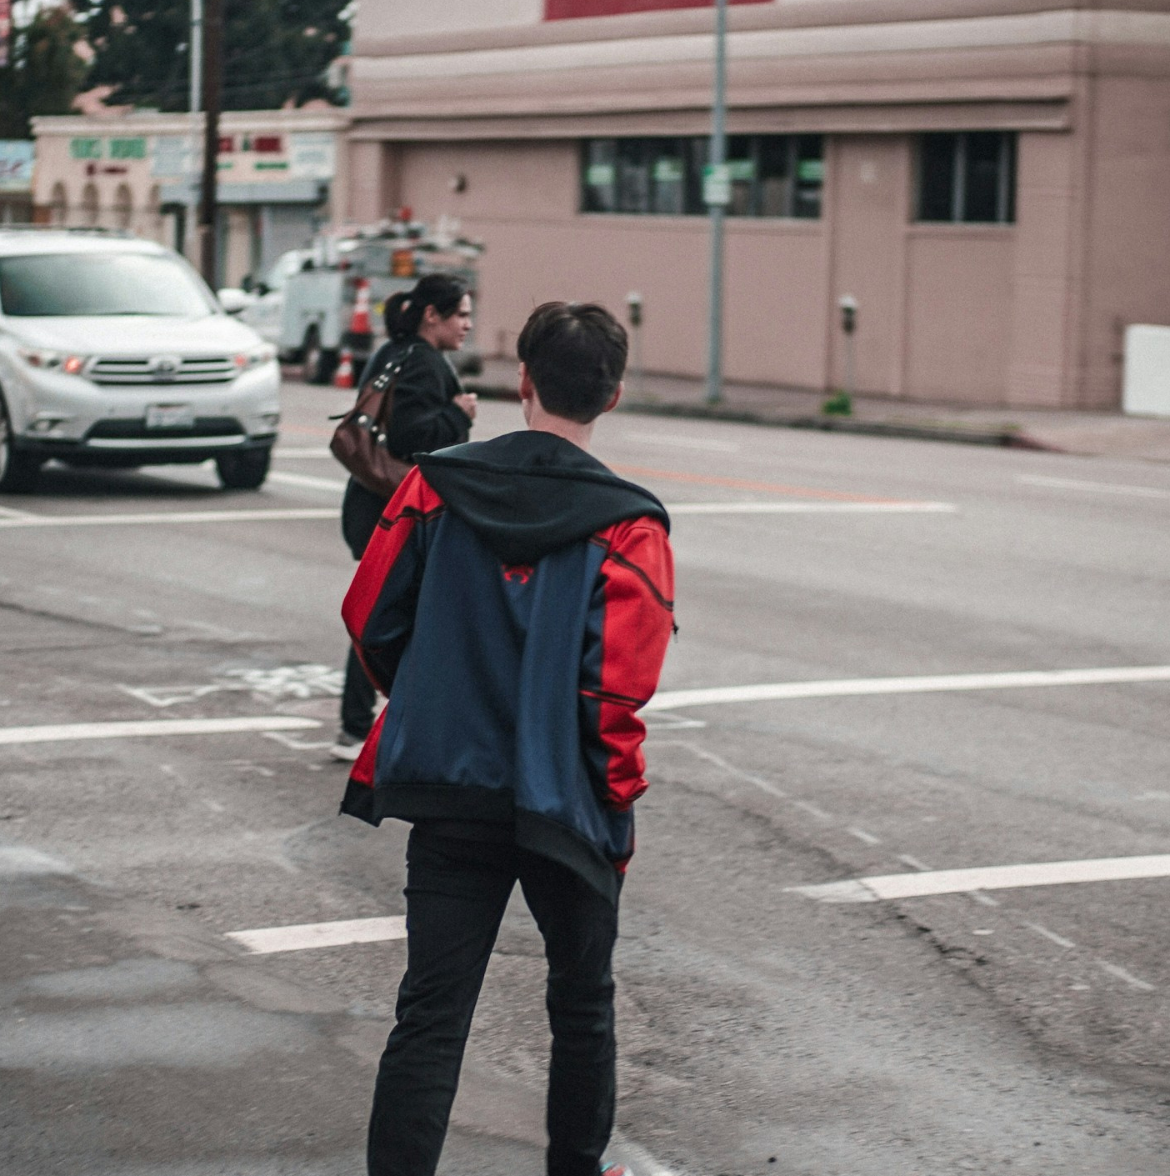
114	352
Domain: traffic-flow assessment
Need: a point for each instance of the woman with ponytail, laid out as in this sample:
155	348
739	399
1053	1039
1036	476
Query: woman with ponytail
431	411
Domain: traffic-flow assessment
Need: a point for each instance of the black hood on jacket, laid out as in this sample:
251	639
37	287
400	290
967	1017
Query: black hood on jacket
528	493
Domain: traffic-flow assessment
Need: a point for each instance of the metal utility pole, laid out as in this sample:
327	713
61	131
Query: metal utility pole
195	64
717	194
212	89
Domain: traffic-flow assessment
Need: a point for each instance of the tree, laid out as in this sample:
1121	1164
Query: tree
275	51
44	72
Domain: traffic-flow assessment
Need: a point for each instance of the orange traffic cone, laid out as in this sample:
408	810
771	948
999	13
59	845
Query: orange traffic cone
343	377
359	324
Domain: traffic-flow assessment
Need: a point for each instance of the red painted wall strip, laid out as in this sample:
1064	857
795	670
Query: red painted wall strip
575	9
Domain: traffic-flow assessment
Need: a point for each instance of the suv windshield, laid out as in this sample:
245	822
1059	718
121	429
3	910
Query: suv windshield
53	284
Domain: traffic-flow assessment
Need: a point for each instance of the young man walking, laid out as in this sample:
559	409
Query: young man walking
515	606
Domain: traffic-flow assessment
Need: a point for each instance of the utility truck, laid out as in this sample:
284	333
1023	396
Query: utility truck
318	302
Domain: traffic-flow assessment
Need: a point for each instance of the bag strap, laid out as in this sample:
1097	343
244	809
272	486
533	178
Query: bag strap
386	382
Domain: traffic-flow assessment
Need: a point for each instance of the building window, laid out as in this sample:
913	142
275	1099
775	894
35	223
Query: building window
967	178
771	175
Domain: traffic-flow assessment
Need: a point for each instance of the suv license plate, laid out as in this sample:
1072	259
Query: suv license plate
170	416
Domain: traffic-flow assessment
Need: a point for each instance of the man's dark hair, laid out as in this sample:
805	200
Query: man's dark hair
575	353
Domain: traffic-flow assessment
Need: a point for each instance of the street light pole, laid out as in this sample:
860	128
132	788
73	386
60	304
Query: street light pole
716	198
212	88
195	62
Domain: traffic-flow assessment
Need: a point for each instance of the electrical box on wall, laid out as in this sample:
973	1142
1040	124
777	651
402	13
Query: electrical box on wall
1146	386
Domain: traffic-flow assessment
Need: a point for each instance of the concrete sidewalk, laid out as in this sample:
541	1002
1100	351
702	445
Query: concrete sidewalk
1106	434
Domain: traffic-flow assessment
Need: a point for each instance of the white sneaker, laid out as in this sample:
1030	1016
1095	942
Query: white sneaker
346	747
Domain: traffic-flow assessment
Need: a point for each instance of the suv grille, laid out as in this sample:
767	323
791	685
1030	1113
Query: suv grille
217	369
123	430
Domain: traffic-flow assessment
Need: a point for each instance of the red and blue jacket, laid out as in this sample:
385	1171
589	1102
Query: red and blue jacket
515	605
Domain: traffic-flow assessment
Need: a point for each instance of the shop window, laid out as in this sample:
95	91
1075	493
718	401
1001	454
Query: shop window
599	175
771	175
967	178
635	164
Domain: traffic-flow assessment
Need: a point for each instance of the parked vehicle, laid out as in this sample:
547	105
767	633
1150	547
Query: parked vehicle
113	352
315	302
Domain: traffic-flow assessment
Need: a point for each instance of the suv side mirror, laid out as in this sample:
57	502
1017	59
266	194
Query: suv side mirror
233	300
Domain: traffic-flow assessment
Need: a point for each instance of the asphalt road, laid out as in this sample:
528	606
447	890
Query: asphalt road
880	602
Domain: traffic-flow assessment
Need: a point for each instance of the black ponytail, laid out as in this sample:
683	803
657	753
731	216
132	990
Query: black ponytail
404	312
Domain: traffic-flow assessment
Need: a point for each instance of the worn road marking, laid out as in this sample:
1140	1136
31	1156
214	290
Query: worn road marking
18	861
58	733
927	684
680	442
988	878
304	680
1096	487
716	508
1059	940
174	518
812	810
1128	977
762	784
310	935
333	485
862	835
747	484
982	899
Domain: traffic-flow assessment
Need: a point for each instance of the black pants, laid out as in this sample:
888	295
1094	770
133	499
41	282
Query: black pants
456	892
357	699
360	511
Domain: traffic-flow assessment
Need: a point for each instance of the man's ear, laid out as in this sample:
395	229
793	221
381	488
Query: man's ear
527	387
617	395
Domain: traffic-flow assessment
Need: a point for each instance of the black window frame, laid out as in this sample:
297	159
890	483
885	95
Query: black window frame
953	170
640	175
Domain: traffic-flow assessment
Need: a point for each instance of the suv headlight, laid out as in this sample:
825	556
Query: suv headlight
246	360
71	365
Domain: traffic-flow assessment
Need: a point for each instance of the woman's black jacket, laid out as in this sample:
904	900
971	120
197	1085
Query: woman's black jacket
424	418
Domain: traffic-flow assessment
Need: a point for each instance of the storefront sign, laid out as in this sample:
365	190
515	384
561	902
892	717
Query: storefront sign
172	156
85	148
311	155
112	149
16	165
128	148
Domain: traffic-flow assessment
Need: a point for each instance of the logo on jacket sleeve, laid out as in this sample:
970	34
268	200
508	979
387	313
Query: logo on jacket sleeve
517	573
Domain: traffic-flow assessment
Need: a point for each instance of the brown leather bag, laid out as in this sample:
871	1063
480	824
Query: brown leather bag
359	441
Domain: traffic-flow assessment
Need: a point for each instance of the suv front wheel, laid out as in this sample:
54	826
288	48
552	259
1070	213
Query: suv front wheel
244	469
18	471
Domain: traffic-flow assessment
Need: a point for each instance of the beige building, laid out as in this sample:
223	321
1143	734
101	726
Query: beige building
987	178
141	172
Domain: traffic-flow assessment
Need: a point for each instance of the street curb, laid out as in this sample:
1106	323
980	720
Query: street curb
1005	437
